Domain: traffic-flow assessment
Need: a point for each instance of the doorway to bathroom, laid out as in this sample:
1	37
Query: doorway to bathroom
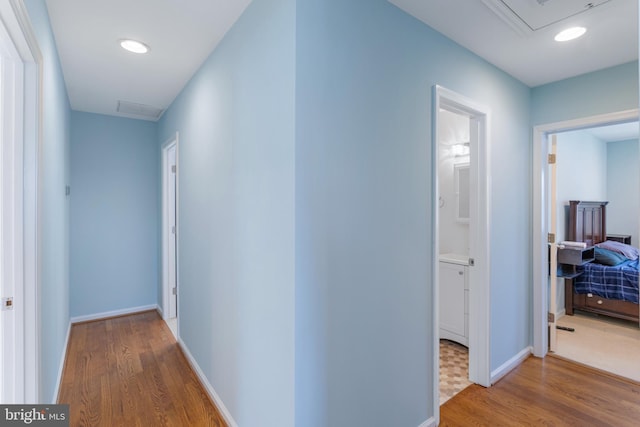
460	244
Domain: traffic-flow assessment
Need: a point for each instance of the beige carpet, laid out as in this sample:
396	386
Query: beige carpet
603	343
454	369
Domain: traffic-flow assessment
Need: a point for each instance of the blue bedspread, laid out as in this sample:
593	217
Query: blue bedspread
617	282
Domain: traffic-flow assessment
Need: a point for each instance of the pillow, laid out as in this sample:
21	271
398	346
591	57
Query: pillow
607	257
627	250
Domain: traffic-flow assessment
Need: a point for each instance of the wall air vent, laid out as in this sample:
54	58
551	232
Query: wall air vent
528	16
139	110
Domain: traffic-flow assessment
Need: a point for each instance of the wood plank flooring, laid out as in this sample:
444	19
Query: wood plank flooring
547	392
129	371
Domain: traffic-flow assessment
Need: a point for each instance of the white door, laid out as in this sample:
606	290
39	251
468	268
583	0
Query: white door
11	270
171	174
18	146
553	247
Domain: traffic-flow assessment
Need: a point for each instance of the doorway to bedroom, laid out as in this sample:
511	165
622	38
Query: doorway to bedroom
596	159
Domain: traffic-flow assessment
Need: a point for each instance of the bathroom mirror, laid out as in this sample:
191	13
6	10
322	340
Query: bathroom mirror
461	181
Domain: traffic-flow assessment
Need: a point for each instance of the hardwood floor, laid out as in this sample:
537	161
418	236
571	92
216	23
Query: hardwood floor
547	392
129	371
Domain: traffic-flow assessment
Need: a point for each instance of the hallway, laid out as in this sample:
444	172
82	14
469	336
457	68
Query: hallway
550	392
130	371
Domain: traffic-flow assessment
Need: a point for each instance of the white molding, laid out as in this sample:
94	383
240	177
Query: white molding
207	385
479	307
26	41
31	152
56	391
431	422
480	224
16	21
166	292
11	216
435	261
507	15
561	313
540	210
114	313
510	364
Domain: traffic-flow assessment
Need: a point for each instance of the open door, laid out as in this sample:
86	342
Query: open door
553	246
169	229
20	118
171	232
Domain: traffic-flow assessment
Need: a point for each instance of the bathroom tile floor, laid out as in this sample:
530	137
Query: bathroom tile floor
454	369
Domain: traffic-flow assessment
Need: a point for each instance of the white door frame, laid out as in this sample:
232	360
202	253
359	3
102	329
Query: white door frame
166	288
22	132
480	222
541	210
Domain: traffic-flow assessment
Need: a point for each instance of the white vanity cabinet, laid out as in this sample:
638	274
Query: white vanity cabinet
454	298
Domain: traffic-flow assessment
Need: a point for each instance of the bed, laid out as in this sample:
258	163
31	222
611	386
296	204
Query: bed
606	290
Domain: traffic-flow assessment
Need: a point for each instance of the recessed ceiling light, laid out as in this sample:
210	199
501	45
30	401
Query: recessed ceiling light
134	46
570	34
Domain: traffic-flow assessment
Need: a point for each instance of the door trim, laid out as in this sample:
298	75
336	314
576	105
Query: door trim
166	291
480	225
25	380
541	209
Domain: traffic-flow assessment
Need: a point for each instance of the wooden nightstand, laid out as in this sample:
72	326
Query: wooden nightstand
622	238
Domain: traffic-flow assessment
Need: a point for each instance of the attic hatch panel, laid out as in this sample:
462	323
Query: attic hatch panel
537	14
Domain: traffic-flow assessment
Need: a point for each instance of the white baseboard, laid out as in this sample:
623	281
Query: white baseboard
207	386
561	313
114	313
56	391
431	422
159	310
510	364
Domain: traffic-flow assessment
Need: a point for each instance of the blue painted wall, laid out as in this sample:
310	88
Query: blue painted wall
605	91
304	226
360	99
581	175
53	207
236	215
364	78
623	188
115	212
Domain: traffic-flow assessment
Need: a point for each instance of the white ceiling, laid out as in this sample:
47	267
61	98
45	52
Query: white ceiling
181	34
618	132
517	35
98	72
